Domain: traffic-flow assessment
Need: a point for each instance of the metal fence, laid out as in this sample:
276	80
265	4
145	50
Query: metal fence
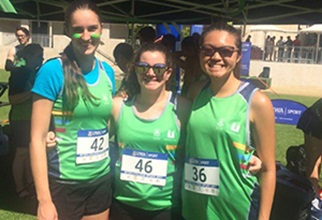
310	55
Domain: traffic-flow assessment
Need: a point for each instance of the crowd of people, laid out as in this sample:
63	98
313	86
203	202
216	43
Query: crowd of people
142	151
285	49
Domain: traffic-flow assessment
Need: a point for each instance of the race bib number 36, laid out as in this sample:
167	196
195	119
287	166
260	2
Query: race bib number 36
144	167
92	146
202	176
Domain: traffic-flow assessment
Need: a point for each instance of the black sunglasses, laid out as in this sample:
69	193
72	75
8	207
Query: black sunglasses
142	68
225	51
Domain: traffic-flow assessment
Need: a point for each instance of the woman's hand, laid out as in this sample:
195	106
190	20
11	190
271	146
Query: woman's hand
51	139
47	211
255	165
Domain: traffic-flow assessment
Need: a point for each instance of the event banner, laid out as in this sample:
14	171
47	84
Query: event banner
245	61
287	111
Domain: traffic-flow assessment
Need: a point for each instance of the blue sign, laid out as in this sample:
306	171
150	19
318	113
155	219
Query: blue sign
163	29
196	28
245	60
287	111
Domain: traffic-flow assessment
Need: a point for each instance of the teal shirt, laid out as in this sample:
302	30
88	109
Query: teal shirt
81	153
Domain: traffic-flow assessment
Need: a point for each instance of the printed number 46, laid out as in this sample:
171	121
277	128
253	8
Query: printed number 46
199	174
140	165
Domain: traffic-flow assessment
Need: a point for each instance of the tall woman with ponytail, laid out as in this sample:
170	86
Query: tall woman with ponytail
73	95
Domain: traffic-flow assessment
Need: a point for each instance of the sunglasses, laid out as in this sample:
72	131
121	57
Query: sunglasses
225	51
142	68
20	36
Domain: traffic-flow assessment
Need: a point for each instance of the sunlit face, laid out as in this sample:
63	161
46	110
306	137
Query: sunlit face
85	30
219	54
156	77
22	37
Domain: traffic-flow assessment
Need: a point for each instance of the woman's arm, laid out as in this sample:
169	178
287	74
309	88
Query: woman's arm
263	121
40	120
10	58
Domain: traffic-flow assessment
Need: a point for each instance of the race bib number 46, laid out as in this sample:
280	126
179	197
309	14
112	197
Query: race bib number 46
144	167
202	176
92	146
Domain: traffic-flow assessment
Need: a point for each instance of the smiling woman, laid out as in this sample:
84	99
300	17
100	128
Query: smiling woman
218	154
66	96
148	125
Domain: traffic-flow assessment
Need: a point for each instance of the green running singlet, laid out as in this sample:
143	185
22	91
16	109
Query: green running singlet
216	182
145	170
82	138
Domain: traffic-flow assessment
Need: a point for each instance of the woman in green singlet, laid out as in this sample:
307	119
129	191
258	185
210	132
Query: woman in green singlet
229	120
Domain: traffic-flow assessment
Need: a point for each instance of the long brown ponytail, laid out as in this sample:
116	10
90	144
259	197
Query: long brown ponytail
74	82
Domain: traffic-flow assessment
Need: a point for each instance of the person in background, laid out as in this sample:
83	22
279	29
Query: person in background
18	121
196	36
147	35
147	172
23	37
229	121
310	123
188	60
266	47
123	54
72	96
289	47
270	48
280	51
169	41
296	45
248	38
21	79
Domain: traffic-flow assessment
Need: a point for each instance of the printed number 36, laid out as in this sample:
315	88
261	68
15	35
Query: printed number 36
199	174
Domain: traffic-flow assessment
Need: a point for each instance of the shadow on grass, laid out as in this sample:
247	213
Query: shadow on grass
9	200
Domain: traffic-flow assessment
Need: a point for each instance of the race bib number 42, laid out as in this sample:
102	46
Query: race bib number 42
144	167
202	176
92	146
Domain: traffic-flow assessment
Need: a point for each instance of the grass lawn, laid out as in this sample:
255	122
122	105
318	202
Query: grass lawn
12	208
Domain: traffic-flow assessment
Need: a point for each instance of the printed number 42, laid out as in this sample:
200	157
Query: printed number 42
140	165
98	144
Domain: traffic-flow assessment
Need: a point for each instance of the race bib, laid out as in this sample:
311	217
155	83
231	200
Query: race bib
144	167
202	176
92	146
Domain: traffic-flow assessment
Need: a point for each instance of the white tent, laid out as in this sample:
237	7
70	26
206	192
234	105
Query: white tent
266	28
316	28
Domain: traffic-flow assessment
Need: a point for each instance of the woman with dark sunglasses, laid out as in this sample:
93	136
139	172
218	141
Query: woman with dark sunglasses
229	120
148	128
